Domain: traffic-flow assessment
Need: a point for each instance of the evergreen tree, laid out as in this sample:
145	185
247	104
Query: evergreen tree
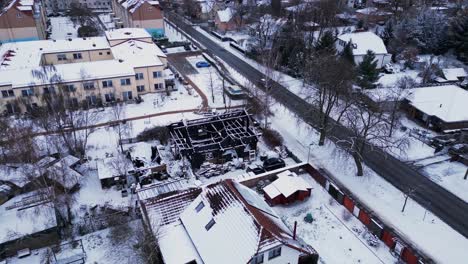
326	44
458	35
367	71
347	53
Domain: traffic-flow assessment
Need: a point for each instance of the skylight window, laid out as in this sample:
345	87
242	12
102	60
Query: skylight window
199	207
210	224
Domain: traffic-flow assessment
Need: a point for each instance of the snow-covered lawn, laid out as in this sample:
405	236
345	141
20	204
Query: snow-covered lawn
210	83
338	236
63	28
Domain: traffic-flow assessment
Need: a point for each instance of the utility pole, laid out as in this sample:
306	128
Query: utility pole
407	195
466	174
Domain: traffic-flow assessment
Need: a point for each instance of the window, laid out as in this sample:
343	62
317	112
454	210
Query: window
257	259
108	53
8	93
140	88
19	15
27	92
199	207
210	224
107	83
157	74
100	53
73	102
124	81
49	90
91	100
276	252
110	97
88	85
139	76
158	86
127	95
77	56
69	88
61	57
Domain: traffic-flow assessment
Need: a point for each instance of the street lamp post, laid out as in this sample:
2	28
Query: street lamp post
308	154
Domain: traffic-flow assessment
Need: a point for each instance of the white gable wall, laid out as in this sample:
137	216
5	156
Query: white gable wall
288	256
382	59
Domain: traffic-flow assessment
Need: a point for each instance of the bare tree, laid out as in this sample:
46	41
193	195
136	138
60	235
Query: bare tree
331	80
211	84
121	126
397	94
62	112
17	144
369	130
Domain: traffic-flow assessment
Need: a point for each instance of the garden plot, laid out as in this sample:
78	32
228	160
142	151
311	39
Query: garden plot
211	84
335	233
100	247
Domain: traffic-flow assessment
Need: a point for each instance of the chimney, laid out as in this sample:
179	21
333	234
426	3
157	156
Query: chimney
295	230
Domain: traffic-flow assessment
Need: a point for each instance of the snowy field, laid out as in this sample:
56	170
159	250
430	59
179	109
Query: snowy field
450	176
63	28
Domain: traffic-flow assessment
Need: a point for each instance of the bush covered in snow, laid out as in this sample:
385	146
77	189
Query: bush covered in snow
160	133
272	138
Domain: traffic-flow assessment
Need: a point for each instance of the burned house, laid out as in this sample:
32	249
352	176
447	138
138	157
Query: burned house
217	139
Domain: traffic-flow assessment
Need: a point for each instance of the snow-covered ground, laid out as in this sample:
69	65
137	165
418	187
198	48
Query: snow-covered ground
63	28
450	176
172	34
415	223
338	236
211	84
99	248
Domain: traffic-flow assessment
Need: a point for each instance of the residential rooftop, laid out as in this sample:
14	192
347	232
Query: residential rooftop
449	102
364	41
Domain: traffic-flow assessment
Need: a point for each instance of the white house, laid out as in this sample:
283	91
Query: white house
361	43
224	222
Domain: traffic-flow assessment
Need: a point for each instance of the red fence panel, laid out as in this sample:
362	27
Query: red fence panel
408	256
364	217
348	203
388	239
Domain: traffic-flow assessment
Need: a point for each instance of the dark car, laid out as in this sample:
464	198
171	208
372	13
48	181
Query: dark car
256	169
202	64
273	164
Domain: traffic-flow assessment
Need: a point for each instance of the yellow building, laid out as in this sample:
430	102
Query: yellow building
89	71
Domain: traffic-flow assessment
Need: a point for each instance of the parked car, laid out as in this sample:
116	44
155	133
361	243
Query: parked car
256	169
273	164
235	92
202	64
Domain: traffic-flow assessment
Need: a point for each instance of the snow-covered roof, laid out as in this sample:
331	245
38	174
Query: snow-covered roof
231	210
16	174
104	169
207	215
133	5
175	245
453	74
26	214
152	191
27	54
62	173
364	41
70	72
287	184
225	15
127	33
138	53
449	103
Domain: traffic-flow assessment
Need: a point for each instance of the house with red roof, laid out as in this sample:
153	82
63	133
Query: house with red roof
225	222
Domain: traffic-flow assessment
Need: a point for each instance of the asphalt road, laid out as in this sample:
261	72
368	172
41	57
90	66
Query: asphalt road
439	201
